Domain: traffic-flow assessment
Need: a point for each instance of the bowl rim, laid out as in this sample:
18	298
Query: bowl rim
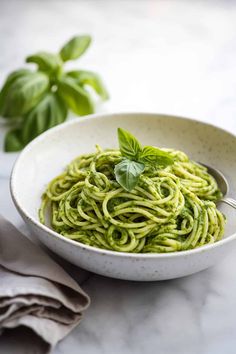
88	248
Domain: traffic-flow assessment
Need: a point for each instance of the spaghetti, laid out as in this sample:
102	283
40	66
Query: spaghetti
170	209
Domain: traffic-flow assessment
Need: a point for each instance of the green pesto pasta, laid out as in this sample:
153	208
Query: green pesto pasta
170	209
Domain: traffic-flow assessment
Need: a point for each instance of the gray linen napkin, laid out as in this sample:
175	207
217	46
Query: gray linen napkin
36	294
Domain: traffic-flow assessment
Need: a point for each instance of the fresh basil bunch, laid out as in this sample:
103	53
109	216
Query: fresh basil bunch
39	100
136	158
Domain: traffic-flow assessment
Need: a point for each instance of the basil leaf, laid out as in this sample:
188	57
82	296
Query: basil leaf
9	81
75	97
127	173
84	77
13	141
75	47
24	93
151	155
47	62
129	145
50	111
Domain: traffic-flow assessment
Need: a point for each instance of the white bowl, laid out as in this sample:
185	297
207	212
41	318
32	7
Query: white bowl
48	154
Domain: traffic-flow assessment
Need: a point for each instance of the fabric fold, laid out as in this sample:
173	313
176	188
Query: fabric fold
35	292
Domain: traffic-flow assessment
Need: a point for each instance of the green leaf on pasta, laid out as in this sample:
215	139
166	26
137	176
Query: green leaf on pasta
151	155
129	145
127	173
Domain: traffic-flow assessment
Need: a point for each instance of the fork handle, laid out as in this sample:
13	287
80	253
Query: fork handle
229	201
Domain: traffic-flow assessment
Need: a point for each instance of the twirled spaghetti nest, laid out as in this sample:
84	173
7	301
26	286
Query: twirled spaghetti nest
171	209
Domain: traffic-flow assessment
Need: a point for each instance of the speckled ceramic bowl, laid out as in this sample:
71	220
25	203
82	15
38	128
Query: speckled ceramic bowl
48	154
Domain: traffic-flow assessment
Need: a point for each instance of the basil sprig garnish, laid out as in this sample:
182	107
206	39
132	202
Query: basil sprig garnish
38	100
129	145
127	173
136	158
151	155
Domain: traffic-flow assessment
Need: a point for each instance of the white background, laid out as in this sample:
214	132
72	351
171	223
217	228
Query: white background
176	57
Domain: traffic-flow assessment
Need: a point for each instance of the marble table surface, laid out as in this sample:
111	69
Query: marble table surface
174	57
